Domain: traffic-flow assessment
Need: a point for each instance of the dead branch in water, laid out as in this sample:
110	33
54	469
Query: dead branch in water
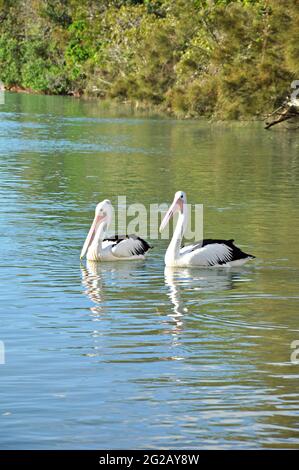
290	111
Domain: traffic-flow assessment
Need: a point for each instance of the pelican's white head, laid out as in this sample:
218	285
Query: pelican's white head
102	218
179	200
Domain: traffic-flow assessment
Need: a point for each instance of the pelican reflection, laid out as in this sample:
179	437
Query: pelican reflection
98	279
92	281
180	281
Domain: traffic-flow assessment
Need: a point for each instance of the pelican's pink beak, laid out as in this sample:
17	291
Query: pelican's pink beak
91	234
175	206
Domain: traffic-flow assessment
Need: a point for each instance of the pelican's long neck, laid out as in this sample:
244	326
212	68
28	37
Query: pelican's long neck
95	250
173	250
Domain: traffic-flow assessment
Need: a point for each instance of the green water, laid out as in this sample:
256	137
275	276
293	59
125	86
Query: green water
129	355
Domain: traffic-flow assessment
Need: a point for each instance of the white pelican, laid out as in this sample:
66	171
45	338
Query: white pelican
208	252
117	248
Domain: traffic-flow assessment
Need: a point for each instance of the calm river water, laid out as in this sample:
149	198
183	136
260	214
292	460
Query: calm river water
130	355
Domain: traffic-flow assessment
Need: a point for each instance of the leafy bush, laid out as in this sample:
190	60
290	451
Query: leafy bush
222	58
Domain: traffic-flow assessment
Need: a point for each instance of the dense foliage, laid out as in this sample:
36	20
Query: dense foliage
221	58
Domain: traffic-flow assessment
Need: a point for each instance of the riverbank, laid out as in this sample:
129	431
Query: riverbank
216	59
135	110
20	89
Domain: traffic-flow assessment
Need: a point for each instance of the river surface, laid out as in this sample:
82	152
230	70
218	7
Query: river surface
131	355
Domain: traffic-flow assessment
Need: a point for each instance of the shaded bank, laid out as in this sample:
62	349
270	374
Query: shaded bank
221	59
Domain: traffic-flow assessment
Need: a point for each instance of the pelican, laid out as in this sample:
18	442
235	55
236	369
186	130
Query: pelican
117	248
208	252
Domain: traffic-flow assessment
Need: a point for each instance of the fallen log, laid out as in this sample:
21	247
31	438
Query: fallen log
290	110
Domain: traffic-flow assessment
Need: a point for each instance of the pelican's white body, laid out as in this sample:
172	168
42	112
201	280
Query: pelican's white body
109	250
96	248
216	253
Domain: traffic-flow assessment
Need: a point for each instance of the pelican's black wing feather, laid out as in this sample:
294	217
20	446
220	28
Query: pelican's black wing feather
234	252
